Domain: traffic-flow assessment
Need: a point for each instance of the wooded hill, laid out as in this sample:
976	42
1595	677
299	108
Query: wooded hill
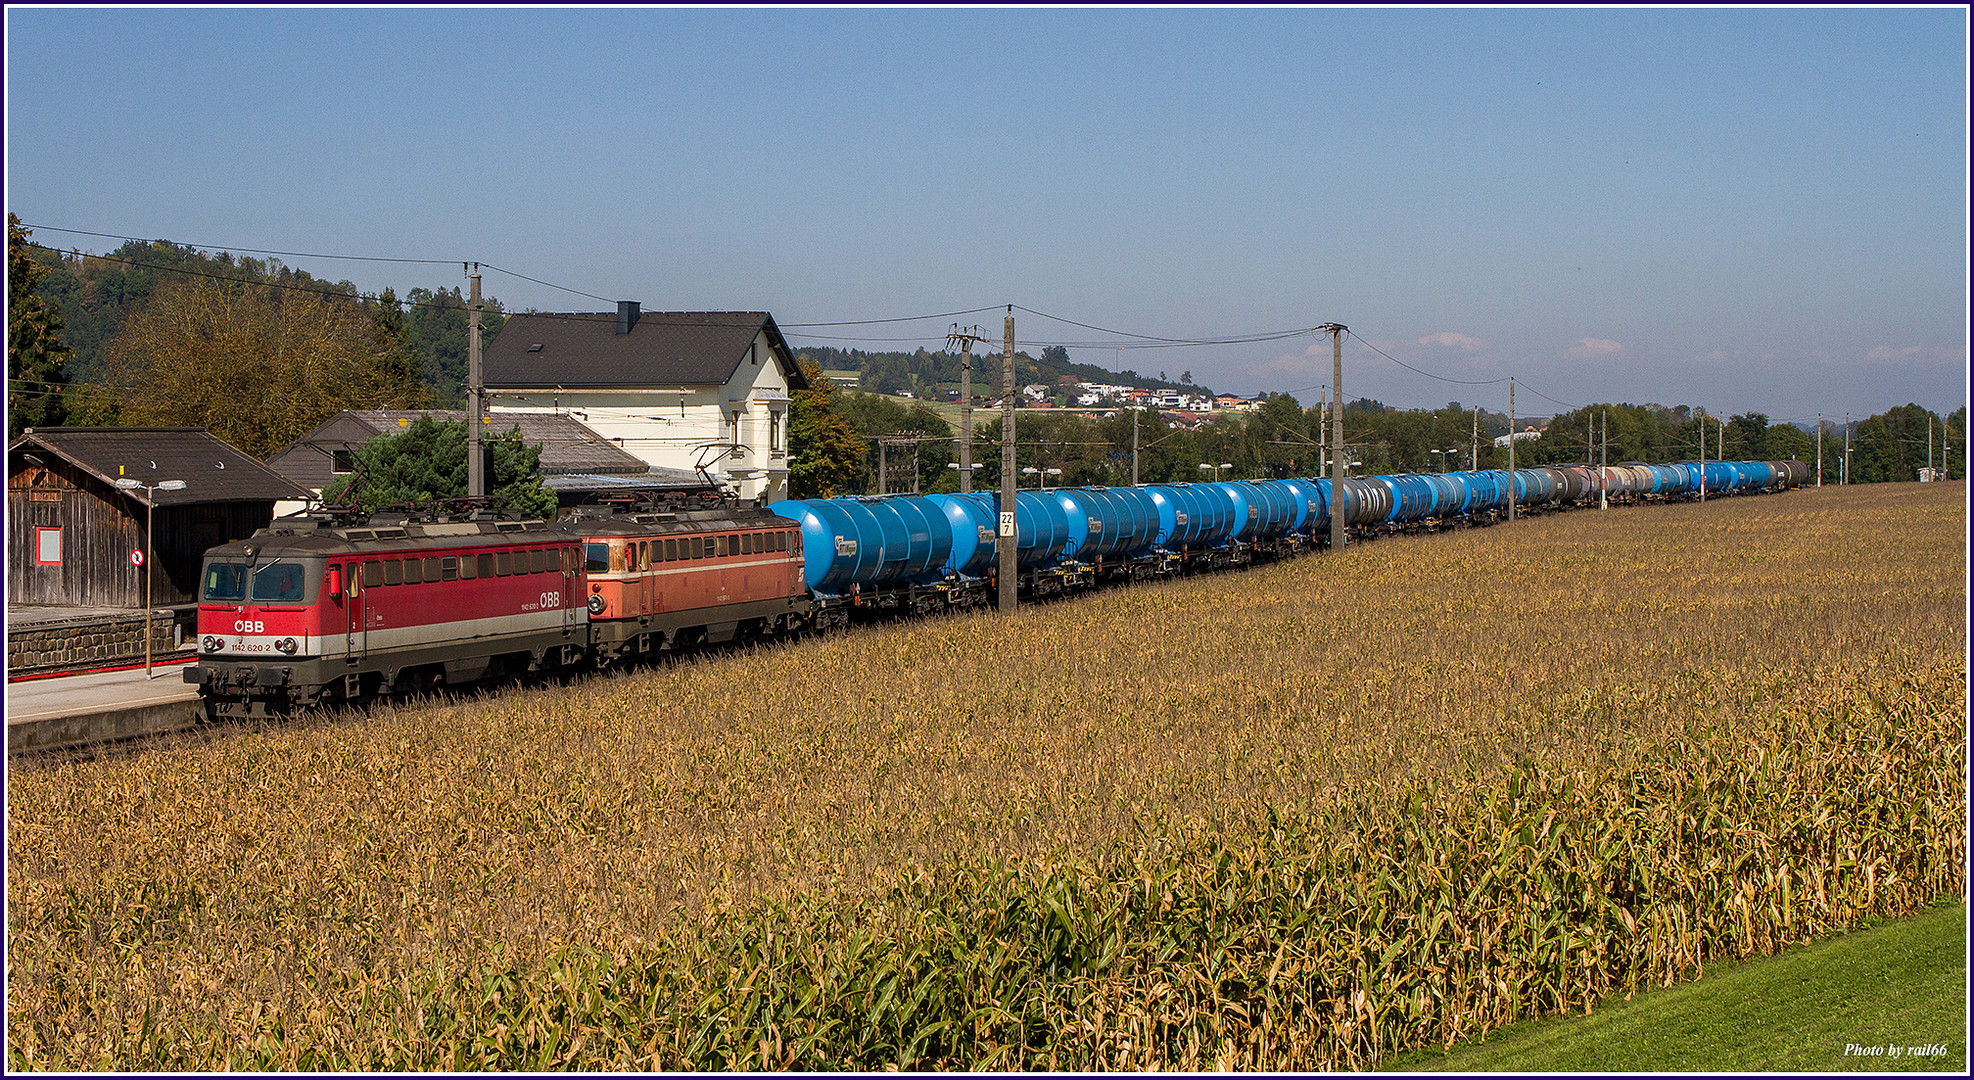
926	374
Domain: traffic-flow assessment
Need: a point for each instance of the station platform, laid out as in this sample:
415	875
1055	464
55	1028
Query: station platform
66	711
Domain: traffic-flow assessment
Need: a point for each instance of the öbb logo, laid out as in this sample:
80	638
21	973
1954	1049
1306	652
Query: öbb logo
248	626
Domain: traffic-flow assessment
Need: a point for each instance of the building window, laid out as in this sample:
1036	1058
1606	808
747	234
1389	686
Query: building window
340	463
774	432
48	547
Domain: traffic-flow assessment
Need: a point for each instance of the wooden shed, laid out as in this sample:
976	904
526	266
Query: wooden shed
71	530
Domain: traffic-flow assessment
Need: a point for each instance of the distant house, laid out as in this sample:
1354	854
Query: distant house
576	462
680	390
71	530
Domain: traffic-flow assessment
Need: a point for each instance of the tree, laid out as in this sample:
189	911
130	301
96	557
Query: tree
1892	445
875	415
824	452
400	363
37	362
256	366
439	325
427	462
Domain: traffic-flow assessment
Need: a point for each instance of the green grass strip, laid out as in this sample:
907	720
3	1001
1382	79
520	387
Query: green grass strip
1897	992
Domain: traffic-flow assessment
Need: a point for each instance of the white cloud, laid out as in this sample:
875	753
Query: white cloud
1591	346
1454	341
1886	354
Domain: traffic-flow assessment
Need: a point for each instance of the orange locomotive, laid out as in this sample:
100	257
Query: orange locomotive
673	575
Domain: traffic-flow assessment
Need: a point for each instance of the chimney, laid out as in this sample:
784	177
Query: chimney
626	315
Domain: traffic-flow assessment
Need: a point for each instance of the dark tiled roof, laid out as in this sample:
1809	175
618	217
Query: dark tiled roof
213	470
663	349
568	445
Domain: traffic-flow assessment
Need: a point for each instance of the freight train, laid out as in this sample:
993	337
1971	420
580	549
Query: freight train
332	606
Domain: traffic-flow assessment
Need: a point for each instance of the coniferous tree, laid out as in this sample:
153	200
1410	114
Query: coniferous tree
37	362
426	462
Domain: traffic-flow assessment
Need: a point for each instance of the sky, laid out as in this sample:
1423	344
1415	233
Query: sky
1739	209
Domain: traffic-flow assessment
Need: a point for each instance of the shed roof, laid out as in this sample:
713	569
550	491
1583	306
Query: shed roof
213	469
575	350
567	444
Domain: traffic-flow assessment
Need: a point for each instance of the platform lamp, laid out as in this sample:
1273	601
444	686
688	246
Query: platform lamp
128	484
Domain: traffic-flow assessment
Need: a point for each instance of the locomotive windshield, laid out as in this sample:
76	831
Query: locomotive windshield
225	581
596	558
279	582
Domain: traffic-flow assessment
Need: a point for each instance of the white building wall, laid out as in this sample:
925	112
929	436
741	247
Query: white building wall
693	427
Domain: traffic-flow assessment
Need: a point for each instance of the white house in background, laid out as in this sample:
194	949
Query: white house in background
678	389
1519	436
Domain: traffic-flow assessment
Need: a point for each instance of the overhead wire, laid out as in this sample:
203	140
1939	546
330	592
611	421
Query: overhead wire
1142	341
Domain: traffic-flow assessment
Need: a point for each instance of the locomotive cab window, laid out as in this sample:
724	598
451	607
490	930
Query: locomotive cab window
281	582
225	581
596	558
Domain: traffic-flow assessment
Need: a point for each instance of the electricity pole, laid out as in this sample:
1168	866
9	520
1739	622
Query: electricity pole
1322	410
1819	450
1336	332
1703	455
476	474
1134	446
1846	477
1511	448
1473	461
1007	500
965	339
1604	462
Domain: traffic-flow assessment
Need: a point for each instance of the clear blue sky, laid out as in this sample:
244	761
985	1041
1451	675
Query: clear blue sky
1741	209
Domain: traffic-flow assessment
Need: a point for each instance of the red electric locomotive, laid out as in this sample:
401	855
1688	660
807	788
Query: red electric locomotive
322	607
672	574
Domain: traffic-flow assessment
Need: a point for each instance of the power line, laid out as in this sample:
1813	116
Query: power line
902	318
1428	374
1237	339
549	284
1546	397
291	254
222	247
331	292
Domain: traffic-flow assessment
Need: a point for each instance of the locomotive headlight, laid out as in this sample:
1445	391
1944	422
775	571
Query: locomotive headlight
596	605
286	645
212	644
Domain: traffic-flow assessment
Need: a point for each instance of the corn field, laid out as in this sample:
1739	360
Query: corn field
1300	817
